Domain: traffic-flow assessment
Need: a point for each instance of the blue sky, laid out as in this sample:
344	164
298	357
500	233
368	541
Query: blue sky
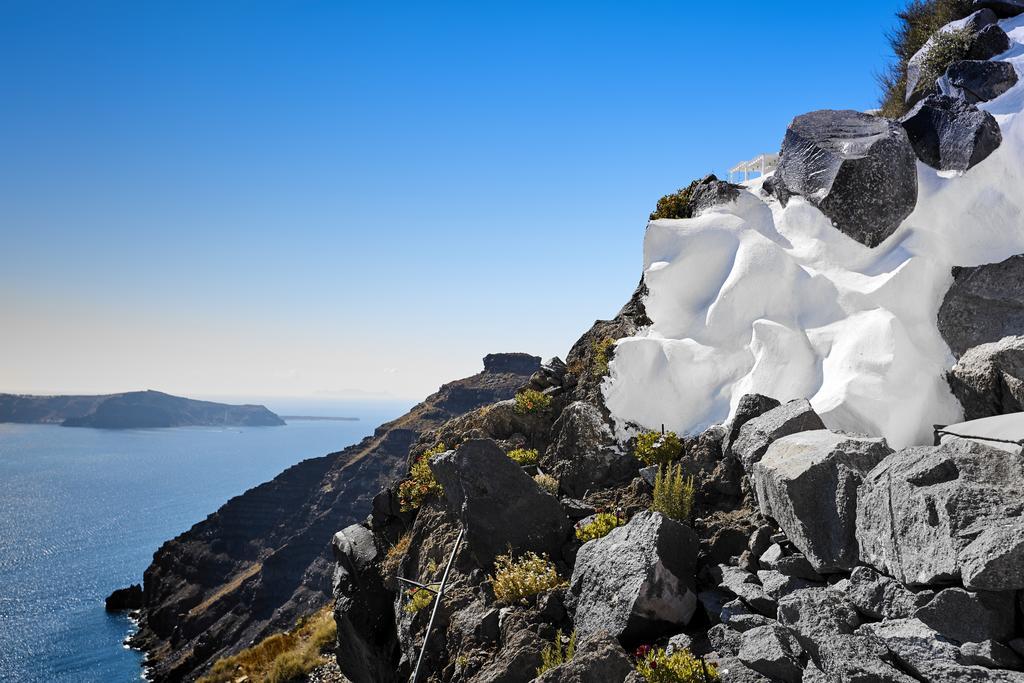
358	199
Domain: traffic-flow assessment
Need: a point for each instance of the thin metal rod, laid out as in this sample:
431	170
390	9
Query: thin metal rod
416	583
940	432
437	604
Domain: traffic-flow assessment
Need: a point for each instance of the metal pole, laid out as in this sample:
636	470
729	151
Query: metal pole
437	603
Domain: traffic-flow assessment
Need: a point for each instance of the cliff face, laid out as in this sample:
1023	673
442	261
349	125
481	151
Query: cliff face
262	560
131	410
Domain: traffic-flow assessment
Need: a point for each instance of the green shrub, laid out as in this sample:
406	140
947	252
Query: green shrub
546	482
679	667
419	598
603	352
655	448
599	527
553	655
675	205
673	495
531	401
514	580
524	456
421	482
919	20
396	553
948	47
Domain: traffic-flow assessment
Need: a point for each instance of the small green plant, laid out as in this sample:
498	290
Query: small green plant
673	494
419	598
531	401
514	580
546	482
599	527
947	47
524	456
679	667
603	352
656	448
421	482
555	655
675	205
395	555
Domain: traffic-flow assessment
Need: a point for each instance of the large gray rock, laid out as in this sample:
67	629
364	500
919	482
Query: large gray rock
950	134
990	654
710	192
880	597
935	514
746	587
777	585
1002	8
637	581
977	80
825	624
367	639
984	304
773	651
499	505
984	39
585	453
757	434
807	482
749	407
945	671
970	617
989	379
598	659
858	169
912	642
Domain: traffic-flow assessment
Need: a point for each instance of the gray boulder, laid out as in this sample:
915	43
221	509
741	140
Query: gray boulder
858	169
950	134
777	585
710	192
735	671
637	581
498	504
1002	8
984	304
912	642
977	80
725	641
984	40
749	407
990	654
989	379
945	671
586	454
757	434
935	514
880	597
807	482
773	651
598	659
969	617
746	587
367	639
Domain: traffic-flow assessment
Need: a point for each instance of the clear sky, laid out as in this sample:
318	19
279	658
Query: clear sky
345	199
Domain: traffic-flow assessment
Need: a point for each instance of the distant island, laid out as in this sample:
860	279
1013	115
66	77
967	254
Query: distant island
131	410
320	417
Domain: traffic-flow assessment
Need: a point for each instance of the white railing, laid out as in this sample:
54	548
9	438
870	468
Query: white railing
761	164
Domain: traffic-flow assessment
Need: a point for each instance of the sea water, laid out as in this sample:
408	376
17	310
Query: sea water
83	510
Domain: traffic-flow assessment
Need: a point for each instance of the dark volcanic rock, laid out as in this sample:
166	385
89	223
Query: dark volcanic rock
757	434
984	304
807	482
749	407
978	80
711	192
969	617
125	599
950	134
932	515
1002	8
263	559
499	505
511	363
637	581
599	659
585	453
858	169
989	379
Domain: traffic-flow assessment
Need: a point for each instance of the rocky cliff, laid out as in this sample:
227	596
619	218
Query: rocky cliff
131	410
262	560
803	334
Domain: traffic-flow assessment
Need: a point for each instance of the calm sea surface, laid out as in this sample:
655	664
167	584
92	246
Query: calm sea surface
83	510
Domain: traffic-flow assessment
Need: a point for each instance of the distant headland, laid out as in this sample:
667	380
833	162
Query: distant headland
132	410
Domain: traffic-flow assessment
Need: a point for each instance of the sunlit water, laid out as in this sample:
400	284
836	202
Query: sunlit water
83	510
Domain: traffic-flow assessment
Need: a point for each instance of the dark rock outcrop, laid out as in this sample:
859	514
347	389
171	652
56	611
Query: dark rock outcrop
858	169
132	410
122	599
1002	8
984	304
933	515
511	363
585	452
263	559
969	617
989	379
499	505
977	80
599	659
637	581
808	482
950	134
